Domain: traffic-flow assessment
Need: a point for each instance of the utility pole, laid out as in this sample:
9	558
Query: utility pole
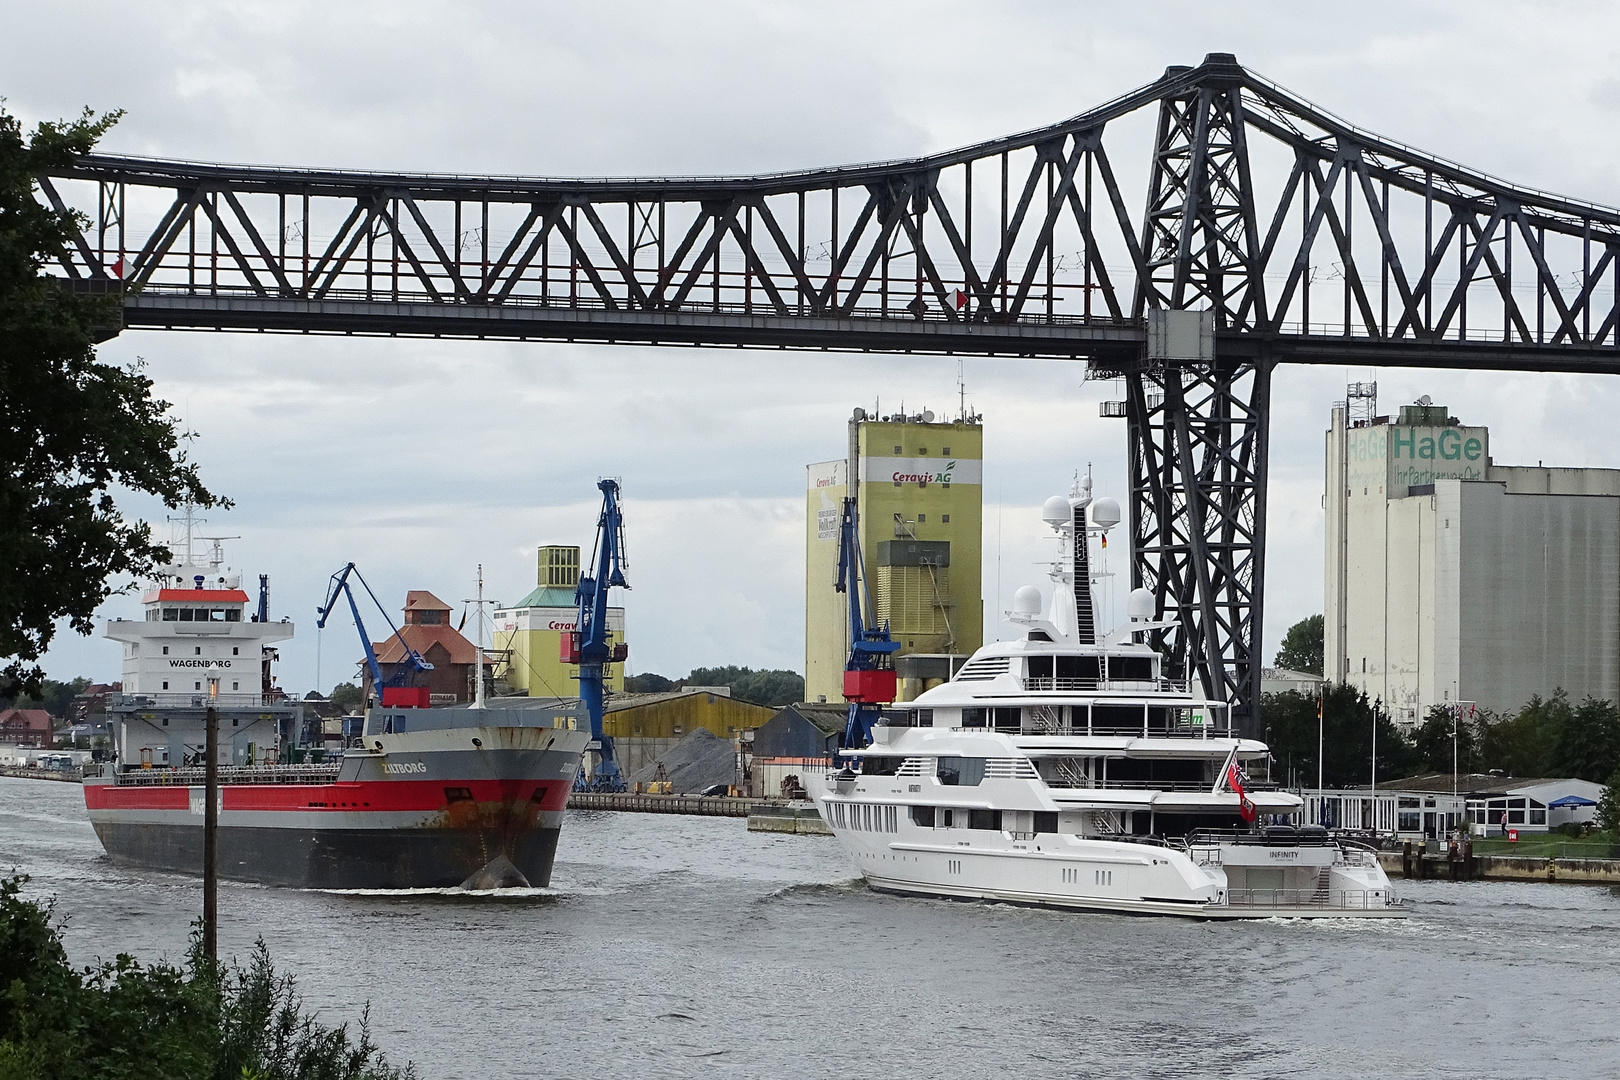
211	825
1321	740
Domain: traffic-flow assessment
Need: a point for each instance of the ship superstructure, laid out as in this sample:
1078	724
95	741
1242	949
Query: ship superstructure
408	798
1063	768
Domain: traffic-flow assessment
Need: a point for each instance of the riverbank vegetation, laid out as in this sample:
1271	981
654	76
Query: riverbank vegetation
1548	737
124	1020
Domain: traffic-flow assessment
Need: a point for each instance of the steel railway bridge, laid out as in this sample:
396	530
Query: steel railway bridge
1183	238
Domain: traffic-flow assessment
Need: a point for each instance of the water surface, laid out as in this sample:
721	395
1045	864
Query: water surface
688	947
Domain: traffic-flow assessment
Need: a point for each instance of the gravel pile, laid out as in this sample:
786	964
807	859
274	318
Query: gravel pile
697	761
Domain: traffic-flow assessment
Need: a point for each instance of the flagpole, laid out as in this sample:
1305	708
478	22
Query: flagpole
1321	740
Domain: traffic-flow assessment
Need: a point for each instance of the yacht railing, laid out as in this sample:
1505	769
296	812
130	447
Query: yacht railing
1331	900
1159	685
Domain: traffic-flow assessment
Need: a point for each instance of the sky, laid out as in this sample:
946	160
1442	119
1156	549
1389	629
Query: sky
420	460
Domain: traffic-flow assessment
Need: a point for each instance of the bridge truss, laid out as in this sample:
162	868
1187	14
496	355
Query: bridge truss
1303	238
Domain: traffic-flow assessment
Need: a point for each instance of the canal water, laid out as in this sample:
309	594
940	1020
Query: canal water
689	947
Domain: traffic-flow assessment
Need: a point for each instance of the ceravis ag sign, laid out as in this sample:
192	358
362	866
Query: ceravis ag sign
1395	457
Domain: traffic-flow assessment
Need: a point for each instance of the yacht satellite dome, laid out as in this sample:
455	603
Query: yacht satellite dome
1105	513
1027	601
1139	605
1055	511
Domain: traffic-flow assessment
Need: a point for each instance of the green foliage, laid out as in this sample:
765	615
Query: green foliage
1587	744
1522	745
1432	743
1302	646
1348	723
70	428
761	687
128	1021
648	684
1608	807
54	697
346	696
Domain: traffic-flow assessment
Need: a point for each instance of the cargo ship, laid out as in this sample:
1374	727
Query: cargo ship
409	797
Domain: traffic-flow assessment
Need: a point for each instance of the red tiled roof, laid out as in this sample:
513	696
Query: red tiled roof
422	600
423	638
26	720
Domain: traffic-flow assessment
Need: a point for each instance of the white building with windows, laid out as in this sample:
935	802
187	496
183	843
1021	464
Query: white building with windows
1451	580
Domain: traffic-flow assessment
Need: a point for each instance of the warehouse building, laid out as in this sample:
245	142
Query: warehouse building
1452	579
646	726
919	493
528	634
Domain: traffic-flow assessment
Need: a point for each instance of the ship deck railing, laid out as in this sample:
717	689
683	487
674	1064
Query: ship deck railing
1143	731
196	775
1327	900
1083	686
199	700
1070	783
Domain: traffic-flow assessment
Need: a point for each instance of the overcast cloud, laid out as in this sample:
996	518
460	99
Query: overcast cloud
419	460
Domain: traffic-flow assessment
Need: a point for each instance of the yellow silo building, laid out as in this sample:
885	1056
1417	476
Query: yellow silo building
528	635
919	496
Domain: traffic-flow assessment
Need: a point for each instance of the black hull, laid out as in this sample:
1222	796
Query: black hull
332	858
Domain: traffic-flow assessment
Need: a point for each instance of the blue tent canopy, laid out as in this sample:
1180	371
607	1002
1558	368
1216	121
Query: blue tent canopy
1572	800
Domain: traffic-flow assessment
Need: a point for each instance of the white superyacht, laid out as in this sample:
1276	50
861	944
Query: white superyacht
1063	769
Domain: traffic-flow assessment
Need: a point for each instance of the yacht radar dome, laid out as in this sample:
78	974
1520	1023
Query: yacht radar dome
1055	511
1139	605
1026	602
1105	513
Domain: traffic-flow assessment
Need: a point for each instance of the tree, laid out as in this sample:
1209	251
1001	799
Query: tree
1587	744
648	683
1608	808
346	696
1346	733
71	428
1302	646
123	1019
1522	745
1432	742
776	687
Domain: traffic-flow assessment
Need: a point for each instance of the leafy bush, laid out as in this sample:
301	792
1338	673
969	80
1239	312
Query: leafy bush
127	1021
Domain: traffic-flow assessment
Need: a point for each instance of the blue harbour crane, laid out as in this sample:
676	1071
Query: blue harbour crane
396	690
588	644
869	676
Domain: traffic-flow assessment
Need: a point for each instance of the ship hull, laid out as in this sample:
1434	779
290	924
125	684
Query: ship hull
427	810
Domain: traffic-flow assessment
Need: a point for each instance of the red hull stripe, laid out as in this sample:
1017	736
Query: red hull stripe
364	795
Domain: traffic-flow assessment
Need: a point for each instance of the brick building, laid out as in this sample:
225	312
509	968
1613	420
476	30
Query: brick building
26	727
427	629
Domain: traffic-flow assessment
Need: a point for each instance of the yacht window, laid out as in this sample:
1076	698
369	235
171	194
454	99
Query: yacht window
1078	667
923	815
881	766
1161	718
922	718
1134	668
1007	718
216	615
1039	635
1116	718
187	615
233	614
171	614
1040	667
1046	821
989	820
974	717
960	771
947	818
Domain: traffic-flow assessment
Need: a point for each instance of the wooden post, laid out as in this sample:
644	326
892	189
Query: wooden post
211	829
